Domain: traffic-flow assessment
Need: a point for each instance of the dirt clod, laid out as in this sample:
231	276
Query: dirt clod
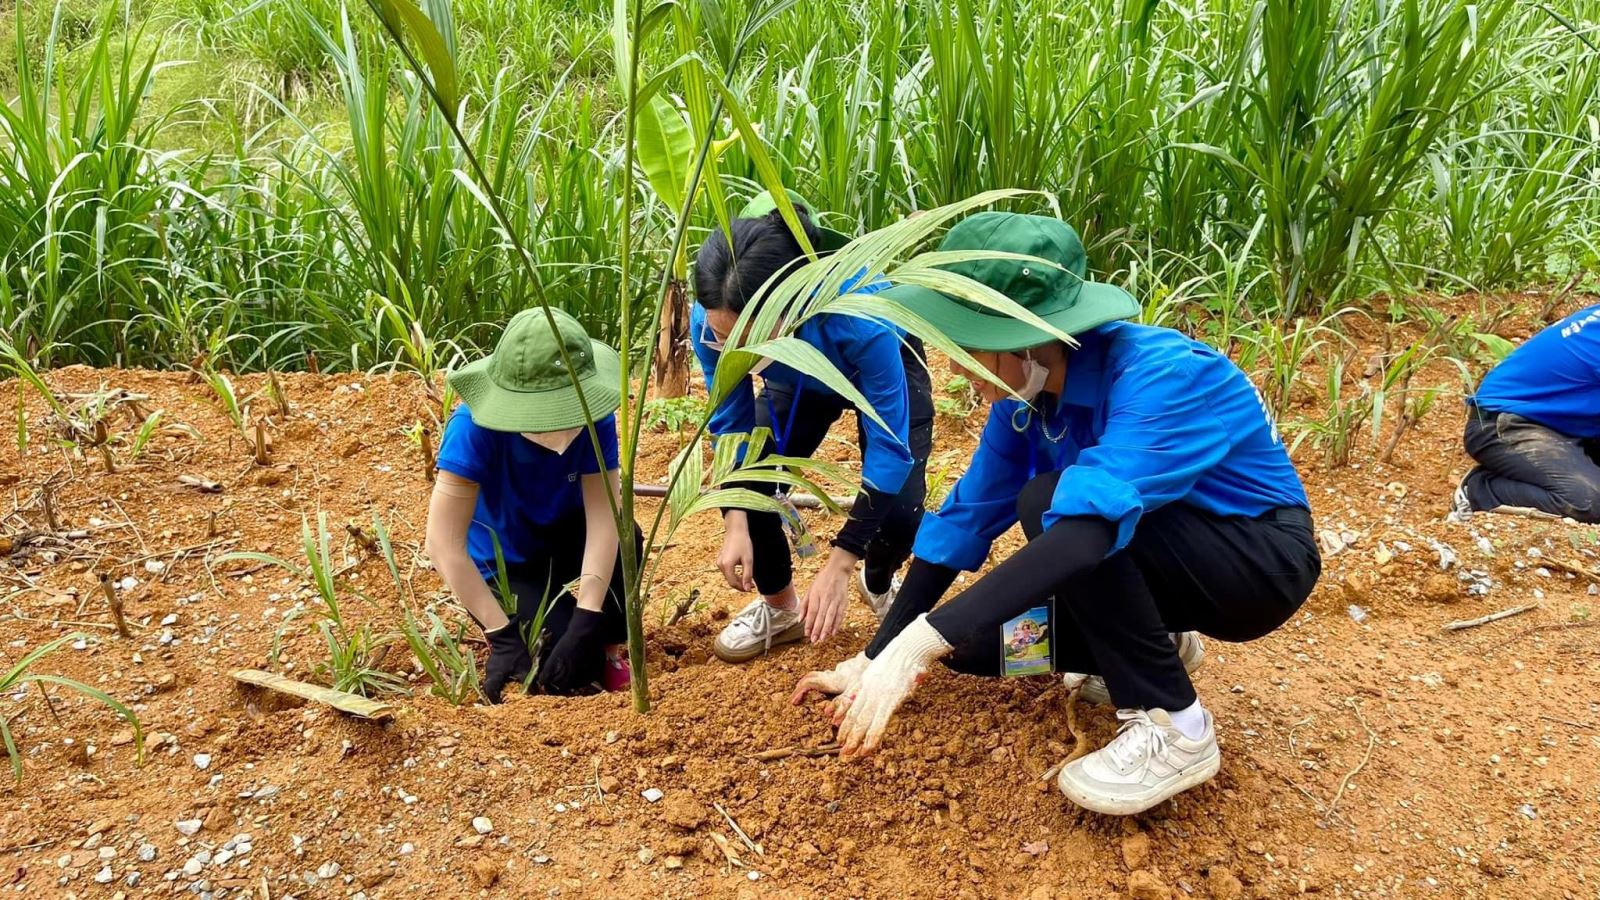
1136	851
486	870
1441	588
682	813
1224	885
1144	885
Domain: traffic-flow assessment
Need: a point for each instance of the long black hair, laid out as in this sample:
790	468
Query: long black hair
726	277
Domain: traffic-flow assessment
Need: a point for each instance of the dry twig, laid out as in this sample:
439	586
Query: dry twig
1574	568
1372	741
739	831
1584	725
1492	617
203	485
786	752
114	600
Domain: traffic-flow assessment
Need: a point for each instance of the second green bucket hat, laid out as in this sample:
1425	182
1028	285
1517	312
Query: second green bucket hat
764	203
524	386
1058	294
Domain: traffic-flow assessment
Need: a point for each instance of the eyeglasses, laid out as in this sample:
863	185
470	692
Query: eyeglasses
709	339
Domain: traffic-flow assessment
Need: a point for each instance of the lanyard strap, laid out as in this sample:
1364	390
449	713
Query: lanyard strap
781	438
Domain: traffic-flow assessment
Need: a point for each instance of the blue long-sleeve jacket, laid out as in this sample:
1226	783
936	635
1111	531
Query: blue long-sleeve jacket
1552	379
1147	417
865	351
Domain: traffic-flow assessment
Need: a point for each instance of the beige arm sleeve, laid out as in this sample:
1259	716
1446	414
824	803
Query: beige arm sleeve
450	512
600	541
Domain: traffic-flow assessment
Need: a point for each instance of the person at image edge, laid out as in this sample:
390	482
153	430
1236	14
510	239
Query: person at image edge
1534	426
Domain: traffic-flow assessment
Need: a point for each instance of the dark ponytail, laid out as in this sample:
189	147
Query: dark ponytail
727	278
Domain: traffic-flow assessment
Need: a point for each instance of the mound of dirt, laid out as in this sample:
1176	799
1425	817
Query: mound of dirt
1366	750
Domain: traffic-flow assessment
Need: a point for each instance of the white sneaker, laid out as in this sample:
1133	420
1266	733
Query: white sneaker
1148	761
756	629
1460	506
880	603
1094	692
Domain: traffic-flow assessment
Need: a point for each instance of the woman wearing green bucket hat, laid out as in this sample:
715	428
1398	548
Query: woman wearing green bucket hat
1157	500
519	478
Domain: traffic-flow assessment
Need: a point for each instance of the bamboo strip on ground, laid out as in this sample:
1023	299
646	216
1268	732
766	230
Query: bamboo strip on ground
340	700
1492	617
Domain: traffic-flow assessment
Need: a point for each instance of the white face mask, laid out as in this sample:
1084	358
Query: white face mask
556	442
1035	376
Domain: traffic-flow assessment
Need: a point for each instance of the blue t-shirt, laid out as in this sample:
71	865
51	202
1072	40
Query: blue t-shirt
523	489
866	351
1552	379
1147	417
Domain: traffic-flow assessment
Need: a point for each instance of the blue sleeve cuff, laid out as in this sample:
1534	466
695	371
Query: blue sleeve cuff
1086	491
947	544
459	468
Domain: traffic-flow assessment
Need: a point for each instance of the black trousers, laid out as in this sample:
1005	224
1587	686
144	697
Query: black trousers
1523	463
1228	577
549	571
803	431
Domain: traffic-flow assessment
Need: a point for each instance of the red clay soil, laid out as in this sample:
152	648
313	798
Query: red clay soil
1381	758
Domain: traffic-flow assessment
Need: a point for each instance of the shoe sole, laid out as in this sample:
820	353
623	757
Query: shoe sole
1096	696
1195	776
789	635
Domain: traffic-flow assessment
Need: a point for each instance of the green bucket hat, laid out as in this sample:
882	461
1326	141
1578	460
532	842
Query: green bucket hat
764	203
523	386
1061	296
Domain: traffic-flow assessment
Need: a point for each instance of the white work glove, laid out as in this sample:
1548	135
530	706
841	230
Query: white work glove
887	683
841	682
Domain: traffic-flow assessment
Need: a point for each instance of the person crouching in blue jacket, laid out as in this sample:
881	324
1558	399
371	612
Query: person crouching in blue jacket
1534	426
883	363
1157	500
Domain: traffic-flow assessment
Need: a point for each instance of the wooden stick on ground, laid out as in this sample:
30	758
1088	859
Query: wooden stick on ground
1573	567
1492	617
114	601
344	702
727	849
786	752
1372	741
428	459
739	831
203	485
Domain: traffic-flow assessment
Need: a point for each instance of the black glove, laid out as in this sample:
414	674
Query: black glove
508	660
574	662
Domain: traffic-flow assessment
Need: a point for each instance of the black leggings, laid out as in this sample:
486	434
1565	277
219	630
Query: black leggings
1523	463
890	544
1229	577
548	571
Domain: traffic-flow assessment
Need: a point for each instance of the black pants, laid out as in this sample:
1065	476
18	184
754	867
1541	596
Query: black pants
803	433
1228	577
548	572
1523	463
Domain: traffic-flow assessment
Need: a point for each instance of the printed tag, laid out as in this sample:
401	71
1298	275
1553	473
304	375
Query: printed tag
800	537
1025	644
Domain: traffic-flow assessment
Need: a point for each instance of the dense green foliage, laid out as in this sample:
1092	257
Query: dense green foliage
294	191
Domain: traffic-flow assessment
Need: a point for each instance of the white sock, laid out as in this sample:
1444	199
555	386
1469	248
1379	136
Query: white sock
1191	721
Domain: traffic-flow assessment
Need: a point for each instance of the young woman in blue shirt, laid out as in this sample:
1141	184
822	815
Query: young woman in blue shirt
1534	426
884	364
1156	498
519	475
